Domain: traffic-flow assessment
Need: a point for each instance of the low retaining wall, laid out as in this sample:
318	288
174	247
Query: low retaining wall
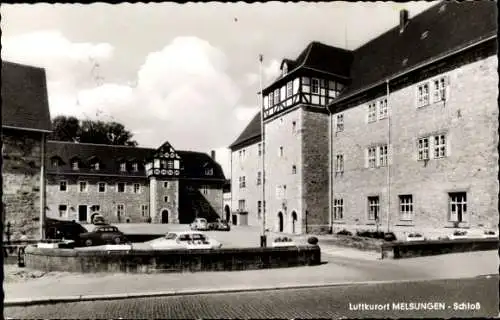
224	259
434	247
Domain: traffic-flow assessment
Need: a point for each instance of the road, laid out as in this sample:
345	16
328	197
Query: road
479	295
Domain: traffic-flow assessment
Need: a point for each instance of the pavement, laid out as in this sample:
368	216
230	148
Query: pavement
338	269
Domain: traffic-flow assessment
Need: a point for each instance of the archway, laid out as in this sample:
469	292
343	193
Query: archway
228	212
280	221
164	216
294	219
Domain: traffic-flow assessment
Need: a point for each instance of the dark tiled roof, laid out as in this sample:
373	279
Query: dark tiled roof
110	156
439	30
326	58
252	131
24	97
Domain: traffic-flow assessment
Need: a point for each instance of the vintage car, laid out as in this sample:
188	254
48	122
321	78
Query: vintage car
102	234
98	219
219	224
184	240
63	229
199	224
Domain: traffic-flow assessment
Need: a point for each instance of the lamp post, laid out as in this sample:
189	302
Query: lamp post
263	237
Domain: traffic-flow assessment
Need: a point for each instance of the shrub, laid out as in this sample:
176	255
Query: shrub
489	232
312	240
344	232
389	236
460	233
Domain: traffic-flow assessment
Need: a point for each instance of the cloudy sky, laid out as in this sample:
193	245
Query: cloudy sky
183	73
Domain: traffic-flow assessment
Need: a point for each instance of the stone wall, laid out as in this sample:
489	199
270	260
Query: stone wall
21	155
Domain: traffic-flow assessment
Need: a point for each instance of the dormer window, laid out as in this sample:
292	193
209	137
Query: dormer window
75	165
55	162
135	166
209	172
123	167
96	166
284	70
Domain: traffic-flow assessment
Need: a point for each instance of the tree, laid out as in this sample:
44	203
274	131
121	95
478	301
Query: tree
90	131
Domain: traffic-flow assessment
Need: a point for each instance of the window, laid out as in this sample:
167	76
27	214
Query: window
163	164
259	209
259	146
382	109
121	187
383	156
259	178
144	210
458	206
135	166
339	163
373	208
63	185
439	146
276	96
177	164
165	198
244	154
96	166
123	167
120	210
423	149
372	112
137	188
101	187
406	207
204	189
165	184
242	182
294	127
209	172
289	89
294	169
439	88
271	99
338	209
74	165
423	95
340	123
371	157
314	85
82	186
170	164
281	151
63	210
55	163
241	205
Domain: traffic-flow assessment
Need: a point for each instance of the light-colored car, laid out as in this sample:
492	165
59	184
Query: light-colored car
184	240
199	224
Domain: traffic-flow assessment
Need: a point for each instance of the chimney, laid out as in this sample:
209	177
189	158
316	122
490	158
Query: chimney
403	20
212	154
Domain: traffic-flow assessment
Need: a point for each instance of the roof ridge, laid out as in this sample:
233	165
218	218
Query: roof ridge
99	144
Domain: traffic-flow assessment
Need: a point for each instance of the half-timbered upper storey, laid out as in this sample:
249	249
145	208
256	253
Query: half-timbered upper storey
315	78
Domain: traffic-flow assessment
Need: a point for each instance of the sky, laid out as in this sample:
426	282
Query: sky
183	73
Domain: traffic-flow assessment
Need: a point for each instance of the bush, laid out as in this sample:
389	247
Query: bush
283	239
460	233
344	232
389	236
312	240
375	234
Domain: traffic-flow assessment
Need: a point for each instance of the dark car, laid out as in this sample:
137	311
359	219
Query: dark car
98	220
62	229
105	234
219	224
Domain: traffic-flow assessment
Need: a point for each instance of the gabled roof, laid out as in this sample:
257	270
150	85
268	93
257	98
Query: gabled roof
110	157
24	97
251	132
441	29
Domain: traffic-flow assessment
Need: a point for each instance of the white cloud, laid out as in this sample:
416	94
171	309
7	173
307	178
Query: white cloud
272	69
251	79
245	114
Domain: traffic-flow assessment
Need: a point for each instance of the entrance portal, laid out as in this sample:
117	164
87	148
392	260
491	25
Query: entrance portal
164	216
280	221
228	213
82	213
294	219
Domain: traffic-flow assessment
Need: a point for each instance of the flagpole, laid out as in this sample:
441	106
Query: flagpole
263	238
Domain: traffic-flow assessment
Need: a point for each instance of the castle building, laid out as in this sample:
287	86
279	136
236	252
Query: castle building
399	134
132	184
25	125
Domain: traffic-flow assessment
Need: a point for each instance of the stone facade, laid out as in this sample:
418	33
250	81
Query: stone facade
468	118
21	155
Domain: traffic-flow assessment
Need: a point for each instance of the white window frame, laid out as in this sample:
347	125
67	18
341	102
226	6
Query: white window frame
118	213
99	188
423	94
373	203
406	207
65	184
439	148
457	200
86	186
339	163
271	99
241	205
372	112
382	155
289	89
75	165
313	80
372	157
276	96
118	187
440	87
423	148
383	111
123	167
339	127
338	209
144	210
137	190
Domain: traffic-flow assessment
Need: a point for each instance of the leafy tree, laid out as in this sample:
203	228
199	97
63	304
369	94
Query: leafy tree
90	131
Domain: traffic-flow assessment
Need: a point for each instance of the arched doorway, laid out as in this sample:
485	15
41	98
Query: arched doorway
294	219
280	221
228	212
164	216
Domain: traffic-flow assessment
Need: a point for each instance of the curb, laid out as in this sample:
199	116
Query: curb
121	296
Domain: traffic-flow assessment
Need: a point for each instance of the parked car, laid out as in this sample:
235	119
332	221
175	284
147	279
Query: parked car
105	234
98	220
219	224
184	240
63	229
199	224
